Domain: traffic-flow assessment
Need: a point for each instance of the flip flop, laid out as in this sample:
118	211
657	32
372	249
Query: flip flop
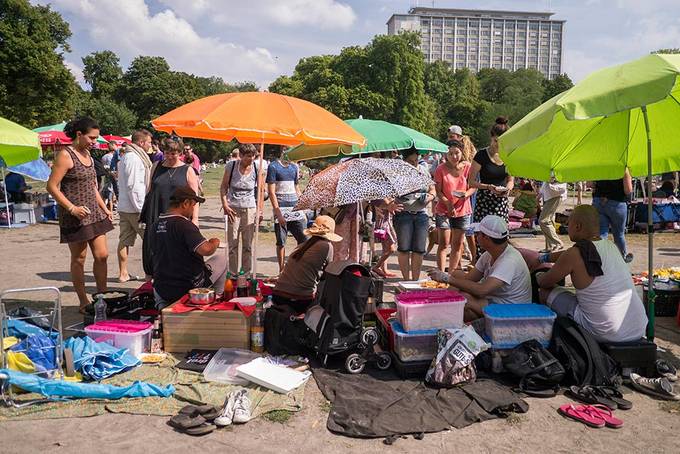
591	395
208	412
132	277
191	425
590	419
614	394
606	414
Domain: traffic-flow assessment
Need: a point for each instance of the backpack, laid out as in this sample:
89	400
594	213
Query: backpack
285	332
580	354
540	373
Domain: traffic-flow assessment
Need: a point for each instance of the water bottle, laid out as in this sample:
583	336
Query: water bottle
100	309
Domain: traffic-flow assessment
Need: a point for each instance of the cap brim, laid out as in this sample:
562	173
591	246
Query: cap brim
333	237
475	226
199	199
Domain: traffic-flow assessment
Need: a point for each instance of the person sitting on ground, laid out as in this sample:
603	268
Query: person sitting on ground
296	285
500	276
604	301
178	250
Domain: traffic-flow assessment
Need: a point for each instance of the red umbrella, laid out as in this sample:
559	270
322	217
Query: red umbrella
117	139
54	138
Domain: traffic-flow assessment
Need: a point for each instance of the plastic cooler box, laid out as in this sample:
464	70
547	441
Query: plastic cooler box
424	310
508	325
414	345
133	335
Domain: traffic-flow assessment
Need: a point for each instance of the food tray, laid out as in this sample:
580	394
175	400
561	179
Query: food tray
423	310
406	286
508	325
414	345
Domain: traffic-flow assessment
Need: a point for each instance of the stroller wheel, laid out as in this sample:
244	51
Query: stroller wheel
370	336
354	363
384	361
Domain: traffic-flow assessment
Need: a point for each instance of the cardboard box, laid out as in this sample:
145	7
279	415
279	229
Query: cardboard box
209	330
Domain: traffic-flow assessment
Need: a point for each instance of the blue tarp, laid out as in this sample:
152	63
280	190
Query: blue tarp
41	350
60	388
36	170
21	329
98	360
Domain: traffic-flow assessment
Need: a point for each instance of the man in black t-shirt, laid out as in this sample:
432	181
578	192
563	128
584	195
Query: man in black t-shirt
178	250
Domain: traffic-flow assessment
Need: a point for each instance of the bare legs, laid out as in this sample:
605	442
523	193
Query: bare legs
443	241
78	254
123	274
410	264
281	256
456	249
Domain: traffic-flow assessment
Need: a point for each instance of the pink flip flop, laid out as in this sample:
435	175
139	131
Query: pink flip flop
606	414
582	415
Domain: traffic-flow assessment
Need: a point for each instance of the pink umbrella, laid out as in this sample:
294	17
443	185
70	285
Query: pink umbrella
117	139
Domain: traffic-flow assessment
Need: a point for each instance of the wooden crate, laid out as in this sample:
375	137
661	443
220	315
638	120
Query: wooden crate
204	330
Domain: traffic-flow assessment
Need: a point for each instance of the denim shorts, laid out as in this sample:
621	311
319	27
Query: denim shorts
296	228
412	229
459	222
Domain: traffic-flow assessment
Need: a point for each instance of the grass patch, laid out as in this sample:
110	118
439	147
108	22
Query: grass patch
515	420
670	407
280	416
325	406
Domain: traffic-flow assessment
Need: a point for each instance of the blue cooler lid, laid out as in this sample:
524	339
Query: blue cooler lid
518	311
397	328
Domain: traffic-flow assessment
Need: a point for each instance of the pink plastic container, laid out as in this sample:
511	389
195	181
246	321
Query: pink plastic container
423	310
135	336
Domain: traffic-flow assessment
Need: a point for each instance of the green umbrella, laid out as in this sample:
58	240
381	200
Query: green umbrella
602	125
380	136
60	127
17	146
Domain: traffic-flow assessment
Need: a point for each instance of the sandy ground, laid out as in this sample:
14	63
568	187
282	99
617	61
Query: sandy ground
33	257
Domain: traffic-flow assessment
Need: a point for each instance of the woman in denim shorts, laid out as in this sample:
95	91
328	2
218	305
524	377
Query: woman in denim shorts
411	224
453	210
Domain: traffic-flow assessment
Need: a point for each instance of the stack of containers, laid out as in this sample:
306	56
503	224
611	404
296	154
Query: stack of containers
421	314
508	325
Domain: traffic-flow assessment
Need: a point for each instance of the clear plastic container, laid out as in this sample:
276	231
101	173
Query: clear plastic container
508	325
423	310
222	366
135	336
414	345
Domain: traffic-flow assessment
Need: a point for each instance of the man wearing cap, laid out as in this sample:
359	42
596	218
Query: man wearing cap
500	276
455	132
178	250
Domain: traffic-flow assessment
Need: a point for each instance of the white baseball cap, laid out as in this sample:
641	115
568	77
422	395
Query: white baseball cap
492	226
455	129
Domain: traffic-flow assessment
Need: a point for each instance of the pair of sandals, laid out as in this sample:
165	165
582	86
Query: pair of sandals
608	396
596	416
195	420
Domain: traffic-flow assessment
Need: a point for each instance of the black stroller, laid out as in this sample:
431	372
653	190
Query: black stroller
336	321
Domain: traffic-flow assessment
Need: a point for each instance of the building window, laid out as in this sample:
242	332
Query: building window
449	47
437	22
449	22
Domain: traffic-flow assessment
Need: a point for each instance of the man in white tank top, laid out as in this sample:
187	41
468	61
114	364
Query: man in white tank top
604	300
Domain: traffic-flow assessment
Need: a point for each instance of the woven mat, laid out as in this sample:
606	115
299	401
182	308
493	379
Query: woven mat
190	388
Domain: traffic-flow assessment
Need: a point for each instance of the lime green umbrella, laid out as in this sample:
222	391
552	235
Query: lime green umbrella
604	124
17	144
380	136
60	127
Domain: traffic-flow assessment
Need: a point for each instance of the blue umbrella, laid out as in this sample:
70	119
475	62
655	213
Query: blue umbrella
36	170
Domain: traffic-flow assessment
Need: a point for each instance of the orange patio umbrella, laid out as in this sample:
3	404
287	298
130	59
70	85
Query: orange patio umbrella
258	117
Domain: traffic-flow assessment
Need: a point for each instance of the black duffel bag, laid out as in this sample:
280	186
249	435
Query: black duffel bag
540	373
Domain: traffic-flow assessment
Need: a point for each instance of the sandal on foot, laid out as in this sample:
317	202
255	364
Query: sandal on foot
590	419
606	414
614	394
591	395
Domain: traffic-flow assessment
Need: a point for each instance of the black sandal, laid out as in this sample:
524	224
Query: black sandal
208	412
191	425
591	395
615	395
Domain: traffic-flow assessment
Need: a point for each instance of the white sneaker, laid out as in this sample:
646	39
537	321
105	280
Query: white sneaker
242	407
226	415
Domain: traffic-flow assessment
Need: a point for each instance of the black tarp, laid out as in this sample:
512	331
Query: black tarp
366	407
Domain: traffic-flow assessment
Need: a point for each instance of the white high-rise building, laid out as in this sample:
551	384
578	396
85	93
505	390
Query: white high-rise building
479	39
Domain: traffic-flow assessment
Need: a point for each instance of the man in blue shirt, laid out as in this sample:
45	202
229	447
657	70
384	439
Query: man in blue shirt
282	182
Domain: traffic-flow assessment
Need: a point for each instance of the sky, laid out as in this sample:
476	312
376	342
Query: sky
259	40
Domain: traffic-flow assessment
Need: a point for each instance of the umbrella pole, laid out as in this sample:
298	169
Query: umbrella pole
258	208
9	219
651	295
226	244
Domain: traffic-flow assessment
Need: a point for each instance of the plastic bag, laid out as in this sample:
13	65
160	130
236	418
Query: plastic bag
454	362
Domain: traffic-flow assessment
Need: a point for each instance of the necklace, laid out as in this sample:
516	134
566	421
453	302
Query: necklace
172	171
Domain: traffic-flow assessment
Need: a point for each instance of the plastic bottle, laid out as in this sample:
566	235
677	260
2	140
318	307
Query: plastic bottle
157	337
269	303
100	309
228	288
241	284
257	328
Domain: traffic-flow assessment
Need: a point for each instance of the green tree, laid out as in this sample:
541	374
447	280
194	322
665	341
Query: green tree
35	86
103	72
113	117
674	50
556	86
